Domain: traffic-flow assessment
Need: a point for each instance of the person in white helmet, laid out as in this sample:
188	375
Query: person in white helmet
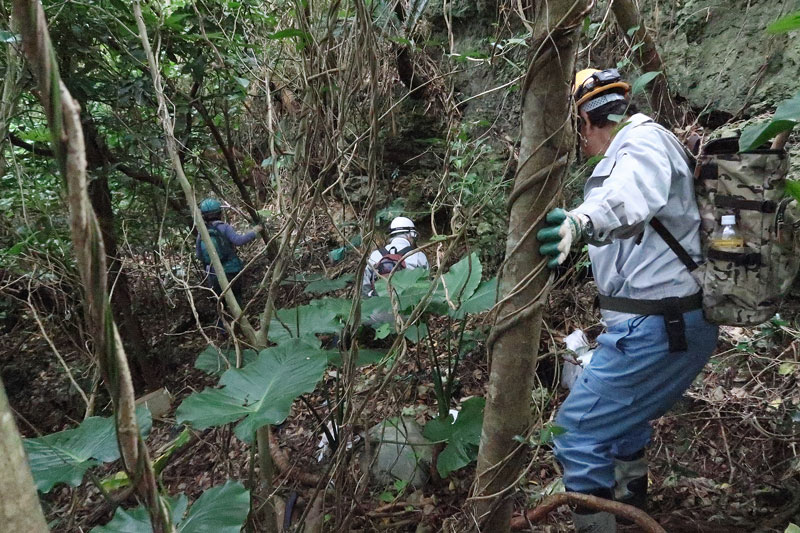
402	240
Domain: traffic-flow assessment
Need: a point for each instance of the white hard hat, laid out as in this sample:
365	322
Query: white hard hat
402	225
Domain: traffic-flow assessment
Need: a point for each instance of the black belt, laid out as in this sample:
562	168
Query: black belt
671	309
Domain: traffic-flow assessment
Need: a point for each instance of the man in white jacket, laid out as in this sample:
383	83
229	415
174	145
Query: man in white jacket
402	240
638	198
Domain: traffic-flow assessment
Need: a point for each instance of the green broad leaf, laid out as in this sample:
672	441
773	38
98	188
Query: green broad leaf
416	333
401	280
787	368
365	356
787	115
641	82
484	298
755	135
792	528
410	287
260	393
786	23
220	509
215	361
325	315
632	30
337	254
244	83
460	281
116	481
549	432
328	285
462	436
793	188
401	40
586	22
65	456
175	21
137	520
383	331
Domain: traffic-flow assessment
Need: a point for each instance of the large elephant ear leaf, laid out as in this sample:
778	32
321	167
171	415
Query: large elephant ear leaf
461	280
137	520
463	436
324	315
261	393
221	509
65	456
484	298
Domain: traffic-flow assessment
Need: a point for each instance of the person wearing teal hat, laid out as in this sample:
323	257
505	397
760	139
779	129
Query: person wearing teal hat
225	239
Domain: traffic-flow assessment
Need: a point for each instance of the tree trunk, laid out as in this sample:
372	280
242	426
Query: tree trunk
142	368
547	140
97	160
19	503
665	108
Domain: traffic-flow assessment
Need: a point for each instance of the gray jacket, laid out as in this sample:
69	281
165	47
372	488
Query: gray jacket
644	174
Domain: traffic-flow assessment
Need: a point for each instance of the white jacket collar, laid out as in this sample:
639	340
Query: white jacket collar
398	243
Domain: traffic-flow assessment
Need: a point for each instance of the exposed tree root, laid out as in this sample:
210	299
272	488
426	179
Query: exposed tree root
540	512
281	460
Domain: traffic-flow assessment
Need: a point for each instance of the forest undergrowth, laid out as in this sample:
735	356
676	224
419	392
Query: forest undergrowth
720	461
322	122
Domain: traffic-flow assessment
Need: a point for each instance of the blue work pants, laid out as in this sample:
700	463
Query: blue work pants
631	380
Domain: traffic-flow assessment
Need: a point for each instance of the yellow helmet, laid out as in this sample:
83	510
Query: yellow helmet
590	82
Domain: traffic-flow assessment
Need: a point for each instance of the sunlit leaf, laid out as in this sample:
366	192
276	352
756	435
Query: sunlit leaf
786	23
793	188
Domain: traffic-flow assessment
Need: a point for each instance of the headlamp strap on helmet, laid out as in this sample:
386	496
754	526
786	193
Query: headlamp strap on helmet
601	100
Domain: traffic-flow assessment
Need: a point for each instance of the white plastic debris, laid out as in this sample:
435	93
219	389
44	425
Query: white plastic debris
578	344
324	447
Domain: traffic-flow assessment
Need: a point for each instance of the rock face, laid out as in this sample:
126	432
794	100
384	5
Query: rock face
718	54
399	452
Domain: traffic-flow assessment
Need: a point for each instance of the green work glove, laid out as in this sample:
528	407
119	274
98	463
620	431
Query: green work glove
563	229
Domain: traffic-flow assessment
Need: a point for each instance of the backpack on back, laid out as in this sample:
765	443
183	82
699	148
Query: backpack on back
222	245
743	287
746	288
390	261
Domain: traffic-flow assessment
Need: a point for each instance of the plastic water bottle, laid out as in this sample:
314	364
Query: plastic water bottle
728	238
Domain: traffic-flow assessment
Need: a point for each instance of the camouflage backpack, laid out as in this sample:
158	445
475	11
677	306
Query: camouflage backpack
744	288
